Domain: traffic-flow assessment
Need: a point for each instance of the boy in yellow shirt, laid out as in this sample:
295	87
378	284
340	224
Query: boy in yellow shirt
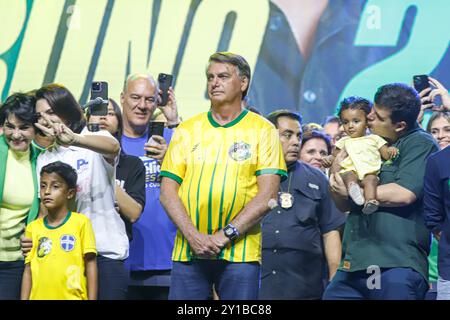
62	262
364	153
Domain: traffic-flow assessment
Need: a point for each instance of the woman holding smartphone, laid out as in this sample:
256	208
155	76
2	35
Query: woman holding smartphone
94	155
130	172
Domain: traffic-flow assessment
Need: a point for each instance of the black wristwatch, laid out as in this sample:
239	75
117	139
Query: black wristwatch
173	126
231	232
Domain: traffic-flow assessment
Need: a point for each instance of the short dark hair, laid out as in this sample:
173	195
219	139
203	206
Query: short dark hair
21	105
235	60
273	116
355	103
65	171
436	115
402	100
63	104
308	135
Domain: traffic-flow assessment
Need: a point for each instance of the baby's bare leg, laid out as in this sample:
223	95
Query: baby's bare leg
354	191
370	183
349	177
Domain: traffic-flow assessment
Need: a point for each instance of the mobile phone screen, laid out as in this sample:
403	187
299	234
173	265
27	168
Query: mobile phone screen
155	128
421	82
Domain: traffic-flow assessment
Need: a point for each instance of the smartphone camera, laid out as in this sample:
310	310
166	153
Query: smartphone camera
164	82
98	105
421	82
96	86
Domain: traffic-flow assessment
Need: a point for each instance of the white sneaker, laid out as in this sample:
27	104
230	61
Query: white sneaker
354	191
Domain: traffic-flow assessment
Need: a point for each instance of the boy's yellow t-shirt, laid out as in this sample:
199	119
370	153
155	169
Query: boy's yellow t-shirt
57	258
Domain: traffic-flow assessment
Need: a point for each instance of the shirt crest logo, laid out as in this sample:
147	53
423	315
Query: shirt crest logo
240	151
44	247
67	242
195	147
313	186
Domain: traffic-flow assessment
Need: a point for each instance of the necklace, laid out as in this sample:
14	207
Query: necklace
286	199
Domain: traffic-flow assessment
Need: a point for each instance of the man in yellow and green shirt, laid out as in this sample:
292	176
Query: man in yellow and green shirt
221	174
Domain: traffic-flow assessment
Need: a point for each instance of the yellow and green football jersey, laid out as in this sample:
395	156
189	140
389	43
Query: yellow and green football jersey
57	258
217	168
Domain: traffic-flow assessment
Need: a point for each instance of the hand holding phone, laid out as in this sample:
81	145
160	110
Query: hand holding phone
155	128
164	82
421	82
440	96
98	105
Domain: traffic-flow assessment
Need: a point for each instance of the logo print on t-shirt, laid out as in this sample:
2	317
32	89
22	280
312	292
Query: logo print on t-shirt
67	242
240	151
81	163
44	247
152	170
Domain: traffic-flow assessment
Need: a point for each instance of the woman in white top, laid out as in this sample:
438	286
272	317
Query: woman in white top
94	155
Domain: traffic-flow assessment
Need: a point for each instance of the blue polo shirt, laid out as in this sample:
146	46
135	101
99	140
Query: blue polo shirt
437	205
154	233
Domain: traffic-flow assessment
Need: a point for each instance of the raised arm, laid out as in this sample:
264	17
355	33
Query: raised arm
108	146
170	111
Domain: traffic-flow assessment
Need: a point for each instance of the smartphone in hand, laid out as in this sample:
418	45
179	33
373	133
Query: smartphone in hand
99	89
155	128
164	82
421	82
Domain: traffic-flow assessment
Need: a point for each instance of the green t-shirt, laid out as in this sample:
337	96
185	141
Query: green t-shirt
393	237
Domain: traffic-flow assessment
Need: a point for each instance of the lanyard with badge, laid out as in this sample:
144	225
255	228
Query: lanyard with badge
286	199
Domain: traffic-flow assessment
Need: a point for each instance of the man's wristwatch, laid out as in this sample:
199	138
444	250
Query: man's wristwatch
231	232
173	126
